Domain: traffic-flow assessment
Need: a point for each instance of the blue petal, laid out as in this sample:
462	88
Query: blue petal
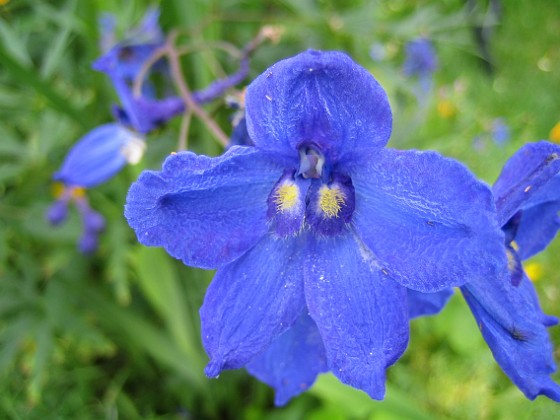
145	114
98	156
362	315
124	62
428	222
292	362
205	211
514	328
523	175
527	290
538	222
252	301
320	98
422	304
537	228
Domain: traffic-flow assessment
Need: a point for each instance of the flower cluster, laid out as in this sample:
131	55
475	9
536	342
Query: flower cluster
326	243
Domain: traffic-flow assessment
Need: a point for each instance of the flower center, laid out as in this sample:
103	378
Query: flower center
314	197
311	162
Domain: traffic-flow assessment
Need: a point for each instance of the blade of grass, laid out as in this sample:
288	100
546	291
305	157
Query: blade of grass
28	77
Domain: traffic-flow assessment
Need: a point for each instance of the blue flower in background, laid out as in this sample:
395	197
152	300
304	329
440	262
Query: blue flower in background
527	195
420	58
124	61
94	159
100	155
318	230
93	223
420	62
500	132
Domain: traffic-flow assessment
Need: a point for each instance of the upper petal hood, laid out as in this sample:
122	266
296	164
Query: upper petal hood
320	98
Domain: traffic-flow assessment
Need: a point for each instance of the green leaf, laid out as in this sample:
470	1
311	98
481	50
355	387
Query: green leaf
356	403
28	77
161	286
143	335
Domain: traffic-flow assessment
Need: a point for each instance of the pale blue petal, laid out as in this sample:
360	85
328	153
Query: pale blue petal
97	156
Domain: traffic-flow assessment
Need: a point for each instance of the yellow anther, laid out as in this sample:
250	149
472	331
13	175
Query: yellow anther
514	245
331	201
59	189
286	197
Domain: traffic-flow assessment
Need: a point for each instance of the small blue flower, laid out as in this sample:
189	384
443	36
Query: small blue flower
500	131
420	62
93	223
420	58
527	195
99	155
96	158
318	230
124	61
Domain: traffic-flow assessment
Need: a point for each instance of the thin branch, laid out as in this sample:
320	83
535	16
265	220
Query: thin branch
175	67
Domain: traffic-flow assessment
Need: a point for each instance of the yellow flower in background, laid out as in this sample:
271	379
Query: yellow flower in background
534	271
446	108
555	133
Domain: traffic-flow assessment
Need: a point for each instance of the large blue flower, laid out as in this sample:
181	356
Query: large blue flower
318	219
527	195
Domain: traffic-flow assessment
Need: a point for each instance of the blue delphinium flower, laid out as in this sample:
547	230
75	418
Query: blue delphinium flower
94	159
99	155
500	131
420	59
318	230
123	63
93	223
420	62
527	195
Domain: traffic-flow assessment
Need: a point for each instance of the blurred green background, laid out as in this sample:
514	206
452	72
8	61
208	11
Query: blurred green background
115	335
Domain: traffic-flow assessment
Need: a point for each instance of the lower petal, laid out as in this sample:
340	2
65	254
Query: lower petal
514	328
252	301
292	362
362	315
423	304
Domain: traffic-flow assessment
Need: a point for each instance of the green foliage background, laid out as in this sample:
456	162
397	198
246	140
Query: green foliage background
116	335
